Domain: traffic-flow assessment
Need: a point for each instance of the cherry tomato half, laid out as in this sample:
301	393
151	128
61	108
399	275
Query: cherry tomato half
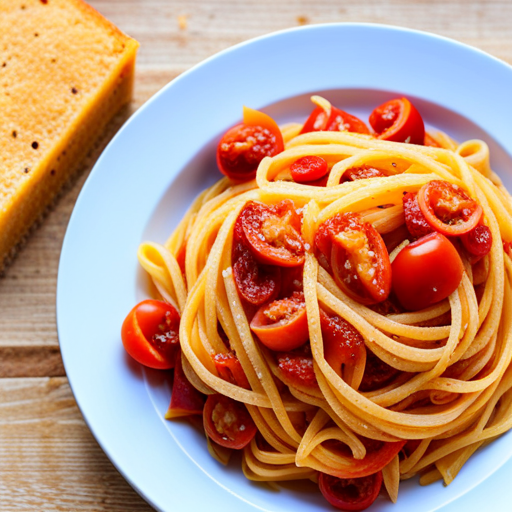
282	324
426	271
273	233
297	368
150	334
338	121
350	493
255	283
244	146
309	168
362	173
230	369
358	257
478	241
343	344
448	209
415	221
227	422
398	121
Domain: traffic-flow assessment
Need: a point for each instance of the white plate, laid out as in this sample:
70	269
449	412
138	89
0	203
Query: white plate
150	173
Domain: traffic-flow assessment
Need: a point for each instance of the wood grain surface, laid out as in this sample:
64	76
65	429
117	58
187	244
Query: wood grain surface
48	458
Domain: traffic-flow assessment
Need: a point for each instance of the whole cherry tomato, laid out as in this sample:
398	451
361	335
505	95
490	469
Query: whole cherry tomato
273	233
415	221
297	368
309	168
358	257
255	283
244	146
478	241
338	121
398	121
350	493
426	271
150	334
343	344
227	422
448	209
362	173
282	325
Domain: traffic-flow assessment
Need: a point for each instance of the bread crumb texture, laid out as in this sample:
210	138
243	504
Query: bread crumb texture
65	71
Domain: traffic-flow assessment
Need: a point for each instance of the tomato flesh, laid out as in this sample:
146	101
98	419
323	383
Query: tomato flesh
415	221
297	367
377	373
227	422
362	173
337	121
273	233
150	334
478	241
282	324
398	121
426	271
350	493
448	209
343	344
230	369
309	168
243	147
255	283
358	257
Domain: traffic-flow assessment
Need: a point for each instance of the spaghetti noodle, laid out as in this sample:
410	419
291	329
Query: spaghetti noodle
447	384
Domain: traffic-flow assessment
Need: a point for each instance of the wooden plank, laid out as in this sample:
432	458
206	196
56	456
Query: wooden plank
48	458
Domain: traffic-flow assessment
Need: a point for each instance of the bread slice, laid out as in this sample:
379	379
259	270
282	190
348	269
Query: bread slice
65	71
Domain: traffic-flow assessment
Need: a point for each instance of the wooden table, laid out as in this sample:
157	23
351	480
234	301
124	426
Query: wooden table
48	458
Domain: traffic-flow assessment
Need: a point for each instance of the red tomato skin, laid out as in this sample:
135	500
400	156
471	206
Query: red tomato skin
362	173
415	221
398	121
332	489
426	272
285	334
230	369
288	250
478	241
297	367
471	213
256	283
309	168
337	121
139	327
234	411
185	398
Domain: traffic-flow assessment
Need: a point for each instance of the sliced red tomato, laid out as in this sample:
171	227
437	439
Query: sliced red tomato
292	281
358	257
297	367
507	247
350	493
377	373
309	168
255	283
150	334
448	209
398	121
415	221
282	325
343	344
430	141
186	400
362	173
478	241
378	455
273	233
244	146
426	271
227	422
230	369
338	121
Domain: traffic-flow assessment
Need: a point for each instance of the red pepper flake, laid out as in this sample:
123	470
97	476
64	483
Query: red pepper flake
44	2
14	133
74	90
52	172
26	170
4	64
36	34
35	145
